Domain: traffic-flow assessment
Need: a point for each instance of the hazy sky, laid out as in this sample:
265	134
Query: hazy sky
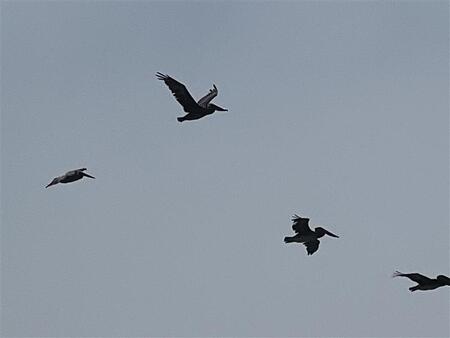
338	111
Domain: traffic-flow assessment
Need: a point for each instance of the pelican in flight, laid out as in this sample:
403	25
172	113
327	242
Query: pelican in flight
194	110
304	234
70	176
424	283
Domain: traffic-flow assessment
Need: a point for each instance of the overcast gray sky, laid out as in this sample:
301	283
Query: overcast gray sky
338	111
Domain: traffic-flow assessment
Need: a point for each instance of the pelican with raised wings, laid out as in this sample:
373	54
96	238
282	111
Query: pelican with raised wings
194	110
70	176
423	282
306	236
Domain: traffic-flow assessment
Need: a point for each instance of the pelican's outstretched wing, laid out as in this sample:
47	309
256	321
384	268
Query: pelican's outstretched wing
415	277
312	246
203	102
179	91
300	225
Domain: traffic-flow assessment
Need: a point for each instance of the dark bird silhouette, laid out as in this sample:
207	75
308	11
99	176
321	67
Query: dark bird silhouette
423	282
70	176
304	234
194	110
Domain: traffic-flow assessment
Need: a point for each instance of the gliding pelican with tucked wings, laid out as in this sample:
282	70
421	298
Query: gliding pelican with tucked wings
70	176
305	235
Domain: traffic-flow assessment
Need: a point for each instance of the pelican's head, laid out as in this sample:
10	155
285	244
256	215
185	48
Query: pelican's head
55	181
214	107
321	232
443	279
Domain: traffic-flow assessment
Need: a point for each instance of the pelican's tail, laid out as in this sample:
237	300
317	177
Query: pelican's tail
414	288
289	239
180	119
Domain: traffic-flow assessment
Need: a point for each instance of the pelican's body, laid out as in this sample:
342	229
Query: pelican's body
194	110
306	236
70	176
423	282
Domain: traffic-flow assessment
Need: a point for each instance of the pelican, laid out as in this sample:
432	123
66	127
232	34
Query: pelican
424	283
70	176
304	234
194	110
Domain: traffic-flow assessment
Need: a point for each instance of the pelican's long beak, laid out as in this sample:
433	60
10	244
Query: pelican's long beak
84	174
331	234
221	109
217	107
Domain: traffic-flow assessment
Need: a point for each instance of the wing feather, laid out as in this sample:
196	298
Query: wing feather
300	225
415	277
180	92
312	246
203	102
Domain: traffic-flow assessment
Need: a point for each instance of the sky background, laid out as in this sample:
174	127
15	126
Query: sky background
338	111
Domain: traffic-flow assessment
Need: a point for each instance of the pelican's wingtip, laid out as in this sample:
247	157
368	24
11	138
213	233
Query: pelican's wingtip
161	76
396	274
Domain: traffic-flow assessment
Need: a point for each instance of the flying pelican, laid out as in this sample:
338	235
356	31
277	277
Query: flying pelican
70	176
194	110
305	235
424	283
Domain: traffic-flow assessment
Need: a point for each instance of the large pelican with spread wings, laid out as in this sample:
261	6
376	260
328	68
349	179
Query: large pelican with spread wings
423	282
70	176
194	110
305	235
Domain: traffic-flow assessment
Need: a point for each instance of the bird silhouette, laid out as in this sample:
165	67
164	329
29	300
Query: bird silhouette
423	282
306	236
70	176
194	110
